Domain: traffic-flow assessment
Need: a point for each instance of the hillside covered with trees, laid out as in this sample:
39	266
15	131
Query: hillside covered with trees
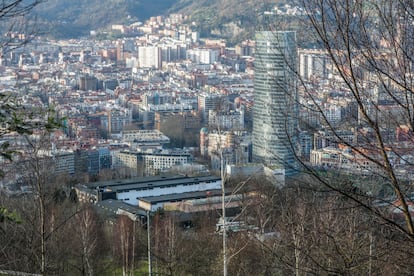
74	18
231	19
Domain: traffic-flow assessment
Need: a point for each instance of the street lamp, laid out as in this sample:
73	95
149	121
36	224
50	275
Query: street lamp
149	243
223	207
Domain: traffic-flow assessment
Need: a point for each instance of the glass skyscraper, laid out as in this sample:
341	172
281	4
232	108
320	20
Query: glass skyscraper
275	110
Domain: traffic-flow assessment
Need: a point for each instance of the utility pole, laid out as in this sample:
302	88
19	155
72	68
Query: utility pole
223	214
371	251
149	243
133	244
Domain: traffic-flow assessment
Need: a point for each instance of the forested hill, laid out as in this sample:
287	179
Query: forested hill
232	19
74	18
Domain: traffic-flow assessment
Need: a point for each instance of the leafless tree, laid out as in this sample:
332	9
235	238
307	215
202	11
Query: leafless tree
167	244
12	13
177	250
123	234
87	238
368	48
129	244
323	234
18	28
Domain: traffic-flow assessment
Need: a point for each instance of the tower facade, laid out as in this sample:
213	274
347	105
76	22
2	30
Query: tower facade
275	110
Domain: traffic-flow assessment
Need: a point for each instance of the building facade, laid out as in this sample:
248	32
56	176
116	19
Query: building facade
207	102
233	119
151	162
275	111
149	57
314	64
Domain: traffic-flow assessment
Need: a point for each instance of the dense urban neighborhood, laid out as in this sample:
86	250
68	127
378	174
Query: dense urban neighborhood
149	148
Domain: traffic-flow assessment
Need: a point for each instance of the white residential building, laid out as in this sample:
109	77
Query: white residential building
203	56
150	57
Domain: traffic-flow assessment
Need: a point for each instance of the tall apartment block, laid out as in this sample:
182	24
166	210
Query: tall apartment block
275	110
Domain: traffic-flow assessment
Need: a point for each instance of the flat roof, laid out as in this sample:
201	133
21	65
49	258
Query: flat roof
158	153
111	206
149	182
183	196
